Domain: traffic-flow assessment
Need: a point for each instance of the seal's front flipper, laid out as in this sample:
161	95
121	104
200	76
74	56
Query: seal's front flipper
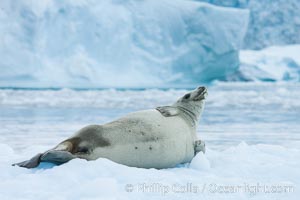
32	163
168	111
199	146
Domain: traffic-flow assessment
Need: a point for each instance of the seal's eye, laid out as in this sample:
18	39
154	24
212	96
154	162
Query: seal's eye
82	150
186	96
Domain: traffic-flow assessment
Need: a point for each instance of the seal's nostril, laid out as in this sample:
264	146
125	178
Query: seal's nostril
201	88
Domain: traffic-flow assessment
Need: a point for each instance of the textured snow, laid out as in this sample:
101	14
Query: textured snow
245	166
126	43
272	22
251	132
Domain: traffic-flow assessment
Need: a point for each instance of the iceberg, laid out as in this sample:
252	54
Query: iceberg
272	22
117	43
271	64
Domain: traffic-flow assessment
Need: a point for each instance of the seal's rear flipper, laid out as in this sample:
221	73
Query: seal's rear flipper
199	146
32	163
57	156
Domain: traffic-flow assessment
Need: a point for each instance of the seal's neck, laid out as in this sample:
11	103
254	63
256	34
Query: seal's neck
191	112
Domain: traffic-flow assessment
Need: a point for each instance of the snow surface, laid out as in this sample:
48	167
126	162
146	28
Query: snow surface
272	22
119	43
251	132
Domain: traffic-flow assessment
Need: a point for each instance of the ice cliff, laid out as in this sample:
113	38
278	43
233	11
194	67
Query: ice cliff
117	43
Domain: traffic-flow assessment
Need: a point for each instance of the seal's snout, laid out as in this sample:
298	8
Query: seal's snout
201	93
201	89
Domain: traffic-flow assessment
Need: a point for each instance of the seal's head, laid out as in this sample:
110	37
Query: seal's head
196	96
192	103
